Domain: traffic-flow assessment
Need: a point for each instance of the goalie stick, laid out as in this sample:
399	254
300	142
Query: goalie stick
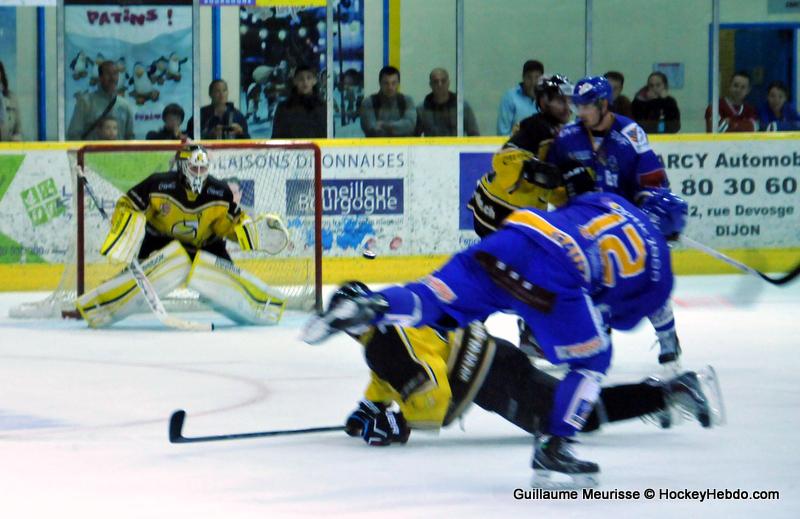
149	292
179	416
782	280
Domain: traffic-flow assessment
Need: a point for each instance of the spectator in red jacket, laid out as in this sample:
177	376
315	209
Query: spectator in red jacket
735	115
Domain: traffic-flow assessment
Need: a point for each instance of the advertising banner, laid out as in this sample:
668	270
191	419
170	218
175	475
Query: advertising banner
409	199
741	194
149	42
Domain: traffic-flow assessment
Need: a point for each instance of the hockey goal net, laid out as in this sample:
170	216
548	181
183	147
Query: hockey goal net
281	178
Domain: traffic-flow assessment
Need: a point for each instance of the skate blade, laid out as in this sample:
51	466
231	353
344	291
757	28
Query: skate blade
550	480
710	383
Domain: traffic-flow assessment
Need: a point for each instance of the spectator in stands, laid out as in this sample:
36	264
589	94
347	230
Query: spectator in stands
775	114
107	129
388	113
90	109
219	120
520	101
620	104
654	109
437	116
303	114
10	127
735	115
172	116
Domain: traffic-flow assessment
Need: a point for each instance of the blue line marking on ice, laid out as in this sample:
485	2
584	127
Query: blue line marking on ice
13	422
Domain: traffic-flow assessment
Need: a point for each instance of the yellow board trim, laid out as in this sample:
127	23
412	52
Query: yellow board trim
45	276
420	141
289	3
394	33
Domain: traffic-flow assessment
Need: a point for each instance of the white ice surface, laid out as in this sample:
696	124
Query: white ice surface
83	423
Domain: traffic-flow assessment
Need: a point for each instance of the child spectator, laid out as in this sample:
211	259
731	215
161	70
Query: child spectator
303	114
775	114
107	129
172	116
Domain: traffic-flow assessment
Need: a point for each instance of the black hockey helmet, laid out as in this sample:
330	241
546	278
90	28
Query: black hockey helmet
550	86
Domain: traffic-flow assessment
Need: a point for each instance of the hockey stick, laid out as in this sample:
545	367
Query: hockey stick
782	280
149	292
179	416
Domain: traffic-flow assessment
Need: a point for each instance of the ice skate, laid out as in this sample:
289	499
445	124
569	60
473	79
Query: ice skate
555	466
697	395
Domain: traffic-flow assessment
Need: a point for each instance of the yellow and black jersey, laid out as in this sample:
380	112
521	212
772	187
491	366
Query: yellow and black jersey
173	211
504	190
409	366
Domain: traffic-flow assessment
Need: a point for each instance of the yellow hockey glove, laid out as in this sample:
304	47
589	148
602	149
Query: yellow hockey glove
126	235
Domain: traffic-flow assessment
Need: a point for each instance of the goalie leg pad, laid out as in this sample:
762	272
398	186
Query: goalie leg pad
234	292
120	297
471	355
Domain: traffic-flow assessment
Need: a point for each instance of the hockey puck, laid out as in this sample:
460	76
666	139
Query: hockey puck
368	254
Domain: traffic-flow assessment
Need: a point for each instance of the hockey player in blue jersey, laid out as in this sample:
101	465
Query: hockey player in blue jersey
598	261
617	149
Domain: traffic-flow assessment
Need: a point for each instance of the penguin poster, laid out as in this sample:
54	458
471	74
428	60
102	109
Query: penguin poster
150	44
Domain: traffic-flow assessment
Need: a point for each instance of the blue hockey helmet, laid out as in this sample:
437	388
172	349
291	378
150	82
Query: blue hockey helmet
667	211
591	89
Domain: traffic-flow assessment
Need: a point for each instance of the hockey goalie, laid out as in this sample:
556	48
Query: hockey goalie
177	224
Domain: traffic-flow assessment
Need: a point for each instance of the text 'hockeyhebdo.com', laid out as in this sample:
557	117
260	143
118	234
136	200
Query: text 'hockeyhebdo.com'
648	494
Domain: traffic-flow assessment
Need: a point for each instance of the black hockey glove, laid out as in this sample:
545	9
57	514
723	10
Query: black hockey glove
351	308
542	174
377	425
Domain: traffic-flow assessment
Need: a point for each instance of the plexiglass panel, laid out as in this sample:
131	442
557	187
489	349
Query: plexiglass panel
499	37
664	59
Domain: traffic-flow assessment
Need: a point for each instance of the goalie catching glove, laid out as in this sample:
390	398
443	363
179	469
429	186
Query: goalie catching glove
264	233
126	235
377	425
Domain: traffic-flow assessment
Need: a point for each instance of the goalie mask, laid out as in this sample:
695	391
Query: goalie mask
193	164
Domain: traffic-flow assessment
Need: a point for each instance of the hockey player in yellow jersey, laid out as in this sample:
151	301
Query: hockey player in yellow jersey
508	186
178	223
425	379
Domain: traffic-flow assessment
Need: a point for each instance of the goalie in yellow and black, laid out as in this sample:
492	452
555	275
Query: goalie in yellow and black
177	223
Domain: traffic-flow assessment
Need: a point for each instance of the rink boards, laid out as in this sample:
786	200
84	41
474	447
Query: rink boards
405	199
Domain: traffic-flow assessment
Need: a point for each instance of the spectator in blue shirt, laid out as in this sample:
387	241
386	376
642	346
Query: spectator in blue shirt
776	114
520	102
